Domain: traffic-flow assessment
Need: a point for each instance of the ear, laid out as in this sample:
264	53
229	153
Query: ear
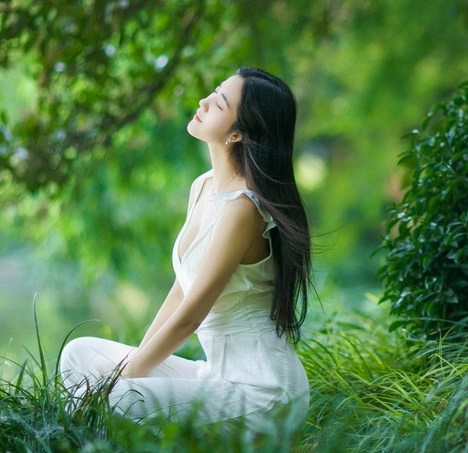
235	137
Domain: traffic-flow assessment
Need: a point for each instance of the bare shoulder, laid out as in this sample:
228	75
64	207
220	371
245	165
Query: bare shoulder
241	213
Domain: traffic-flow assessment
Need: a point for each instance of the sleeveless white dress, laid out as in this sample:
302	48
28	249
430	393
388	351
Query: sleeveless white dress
248	372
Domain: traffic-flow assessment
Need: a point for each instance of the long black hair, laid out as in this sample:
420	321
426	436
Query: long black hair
266	119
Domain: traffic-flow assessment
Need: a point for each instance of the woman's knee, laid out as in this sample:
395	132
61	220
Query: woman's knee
72	354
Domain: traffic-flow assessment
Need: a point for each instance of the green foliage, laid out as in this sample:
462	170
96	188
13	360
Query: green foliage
426	270
372	391
98	66
94	173
373	78
94	159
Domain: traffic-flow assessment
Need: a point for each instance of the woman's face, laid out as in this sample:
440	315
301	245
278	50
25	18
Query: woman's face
217	112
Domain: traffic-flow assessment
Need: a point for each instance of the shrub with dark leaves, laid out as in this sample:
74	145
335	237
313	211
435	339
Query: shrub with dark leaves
425	273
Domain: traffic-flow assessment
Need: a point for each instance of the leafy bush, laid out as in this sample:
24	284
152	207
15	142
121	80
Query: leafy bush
425	274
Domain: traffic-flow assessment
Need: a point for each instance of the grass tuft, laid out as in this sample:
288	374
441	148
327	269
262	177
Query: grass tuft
372	391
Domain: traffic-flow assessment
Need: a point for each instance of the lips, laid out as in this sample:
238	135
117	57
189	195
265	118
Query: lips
197	118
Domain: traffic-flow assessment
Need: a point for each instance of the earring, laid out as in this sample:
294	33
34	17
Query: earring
228	142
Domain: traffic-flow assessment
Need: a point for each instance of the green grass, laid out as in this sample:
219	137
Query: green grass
371	391
375	391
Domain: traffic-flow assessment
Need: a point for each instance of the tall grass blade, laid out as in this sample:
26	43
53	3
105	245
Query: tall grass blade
43	366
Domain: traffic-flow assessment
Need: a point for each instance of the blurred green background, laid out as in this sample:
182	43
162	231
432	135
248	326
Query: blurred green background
96	164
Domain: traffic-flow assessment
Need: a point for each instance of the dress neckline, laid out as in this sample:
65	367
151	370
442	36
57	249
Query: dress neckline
223	196
187	222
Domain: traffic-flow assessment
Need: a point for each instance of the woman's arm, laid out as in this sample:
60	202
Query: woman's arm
175	295
237	228
170	304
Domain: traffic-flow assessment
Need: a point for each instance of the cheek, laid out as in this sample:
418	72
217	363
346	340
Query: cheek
222	123
213	124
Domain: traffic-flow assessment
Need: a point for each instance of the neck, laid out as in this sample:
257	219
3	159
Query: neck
224	170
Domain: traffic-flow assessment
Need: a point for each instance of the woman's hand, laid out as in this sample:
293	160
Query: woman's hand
125	369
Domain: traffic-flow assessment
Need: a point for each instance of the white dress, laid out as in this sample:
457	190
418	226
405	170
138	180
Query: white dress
248	372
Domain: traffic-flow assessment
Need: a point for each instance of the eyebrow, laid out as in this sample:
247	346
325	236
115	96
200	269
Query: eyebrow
225	100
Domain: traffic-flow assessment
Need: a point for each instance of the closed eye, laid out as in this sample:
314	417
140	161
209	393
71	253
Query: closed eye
224	98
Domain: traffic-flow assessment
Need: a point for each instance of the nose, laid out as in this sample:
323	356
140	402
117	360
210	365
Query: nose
203	103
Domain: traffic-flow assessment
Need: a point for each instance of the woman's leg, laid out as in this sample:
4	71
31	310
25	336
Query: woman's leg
171	389
176	398
86	360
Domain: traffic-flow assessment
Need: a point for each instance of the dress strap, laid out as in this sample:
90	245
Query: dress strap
198	185
229	196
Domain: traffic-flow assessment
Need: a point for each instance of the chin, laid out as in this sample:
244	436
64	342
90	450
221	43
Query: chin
190	128
192	132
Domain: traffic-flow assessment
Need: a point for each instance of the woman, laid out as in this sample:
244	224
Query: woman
242	264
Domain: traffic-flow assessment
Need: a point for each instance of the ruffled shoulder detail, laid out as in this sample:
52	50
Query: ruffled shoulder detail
229	196
200	179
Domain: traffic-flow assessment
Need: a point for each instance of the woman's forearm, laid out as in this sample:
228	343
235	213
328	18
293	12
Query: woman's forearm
176	329
157	348
169	306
